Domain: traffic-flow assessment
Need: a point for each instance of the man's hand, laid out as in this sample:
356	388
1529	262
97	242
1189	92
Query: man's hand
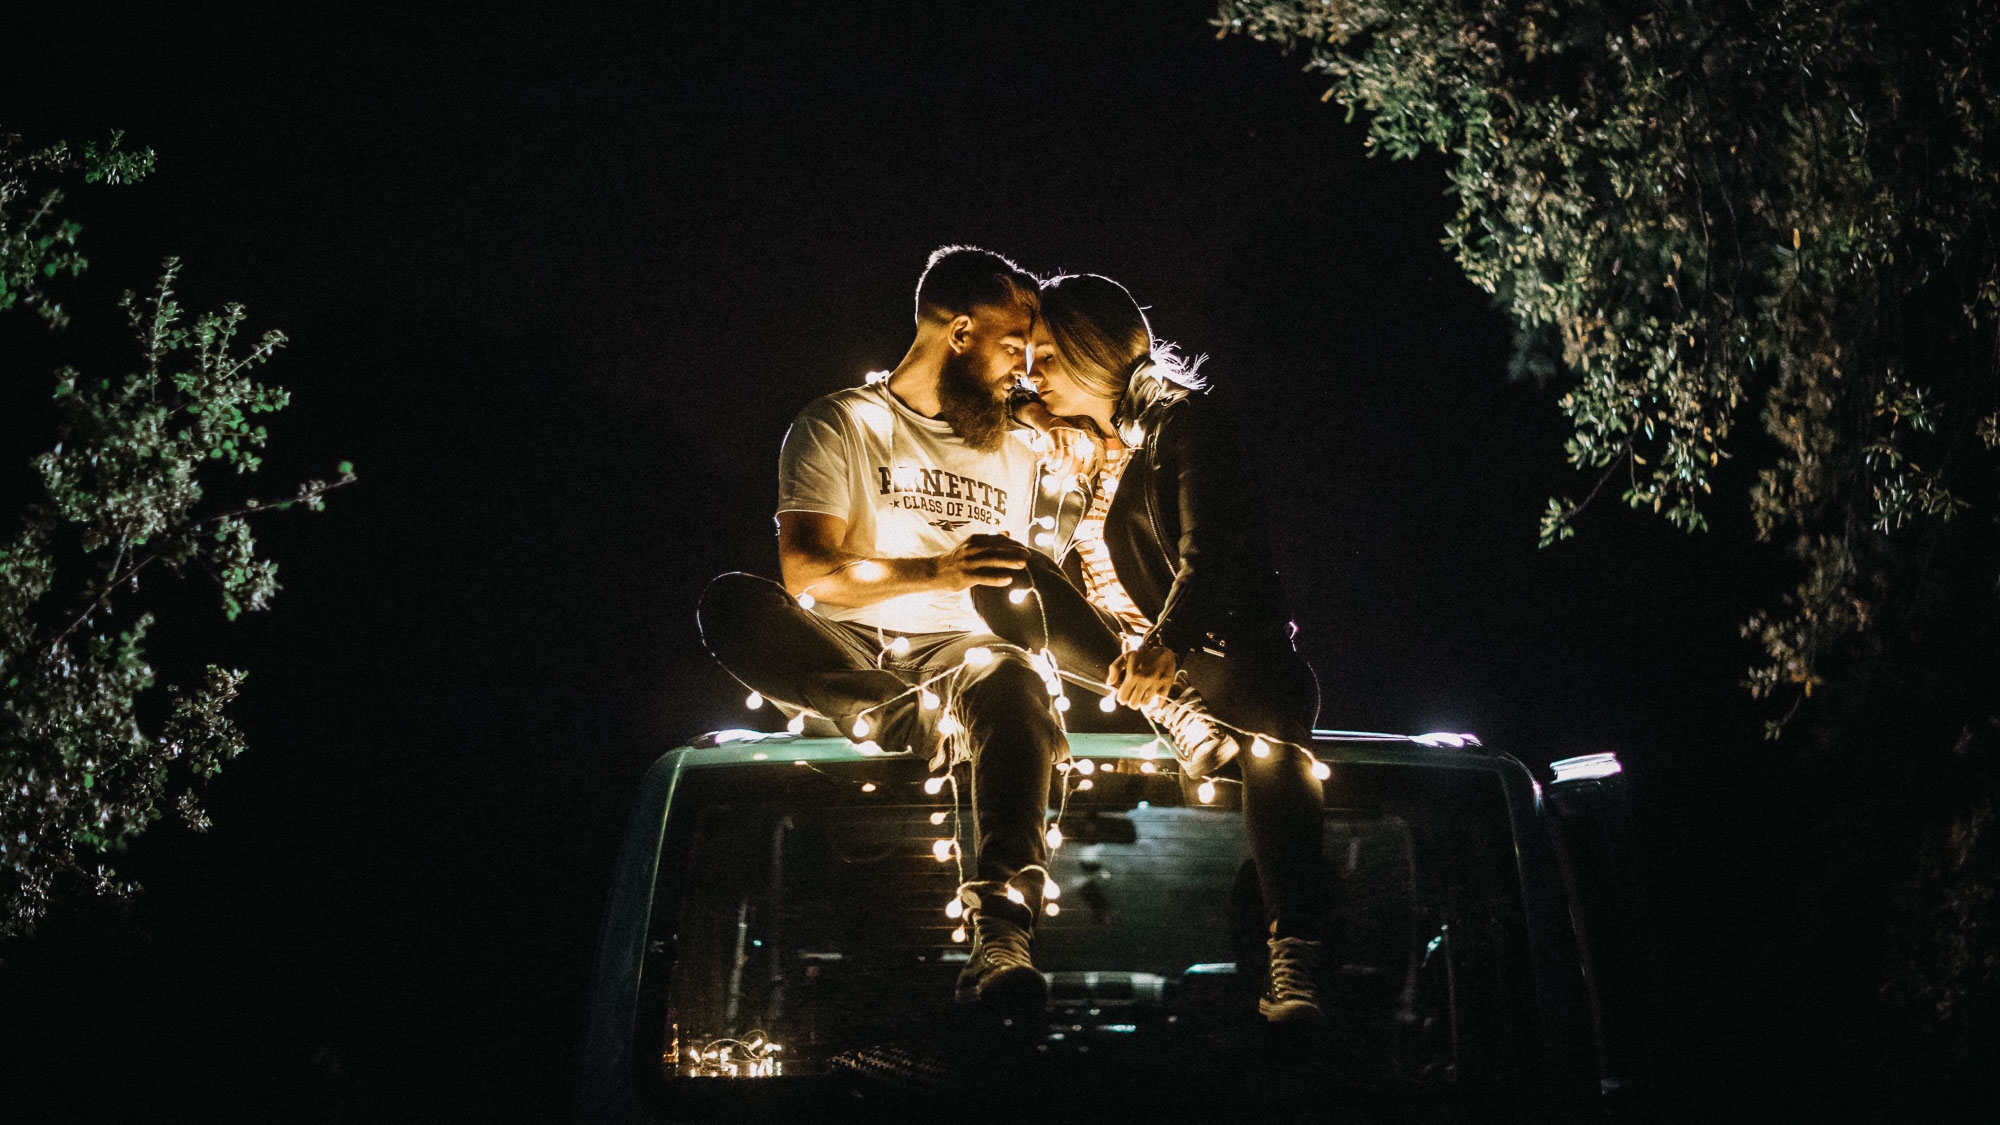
1142	675
982	560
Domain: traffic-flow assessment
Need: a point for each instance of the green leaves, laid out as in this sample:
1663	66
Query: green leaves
128	492
36	246
1715	209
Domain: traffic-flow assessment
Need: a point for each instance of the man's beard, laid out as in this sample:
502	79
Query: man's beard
971	408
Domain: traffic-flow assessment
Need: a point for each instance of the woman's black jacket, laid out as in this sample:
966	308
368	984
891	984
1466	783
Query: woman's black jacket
1187	536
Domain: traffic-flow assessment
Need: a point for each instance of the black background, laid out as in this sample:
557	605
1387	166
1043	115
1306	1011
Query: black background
556	280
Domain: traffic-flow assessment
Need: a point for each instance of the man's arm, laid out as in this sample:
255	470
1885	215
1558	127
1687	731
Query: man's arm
812	561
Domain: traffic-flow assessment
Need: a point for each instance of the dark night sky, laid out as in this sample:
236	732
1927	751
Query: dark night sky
556	281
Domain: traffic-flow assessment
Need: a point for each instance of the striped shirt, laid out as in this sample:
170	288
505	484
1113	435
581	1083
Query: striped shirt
1100	581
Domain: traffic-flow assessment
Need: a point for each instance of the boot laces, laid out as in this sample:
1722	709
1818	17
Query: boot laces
1294	963
1185	715
1002	944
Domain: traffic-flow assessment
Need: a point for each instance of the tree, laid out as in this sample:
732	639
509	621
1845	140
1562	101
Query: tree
126	494
1701	213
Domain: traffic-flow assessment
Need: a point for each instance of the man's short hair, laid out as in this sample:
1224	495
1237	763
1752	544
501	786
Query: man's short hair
958	279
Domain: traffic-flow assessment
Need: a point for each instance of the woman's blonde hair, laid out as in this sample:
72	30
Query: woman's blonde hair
1108	347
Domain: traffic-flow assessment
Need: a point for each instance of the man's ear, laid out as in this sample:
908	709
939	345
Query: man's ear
958	333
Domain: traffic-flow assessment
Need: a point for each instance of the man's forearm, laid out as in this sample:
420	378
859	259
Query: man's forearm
842	579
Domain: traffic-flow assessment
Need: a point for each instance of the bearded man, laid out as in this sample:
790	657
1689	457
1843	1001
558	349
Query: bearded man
895	498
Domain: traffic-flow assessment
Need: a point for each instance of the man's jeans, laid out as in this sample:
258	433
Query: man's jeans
798	658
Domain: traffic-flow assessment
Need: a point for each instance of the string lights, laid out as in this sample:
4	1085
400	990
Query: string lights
1076	775
753	1056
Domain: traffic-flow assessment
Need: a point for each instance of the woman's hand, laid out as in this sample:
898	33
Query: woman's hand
1072	449
1142	675
1071	446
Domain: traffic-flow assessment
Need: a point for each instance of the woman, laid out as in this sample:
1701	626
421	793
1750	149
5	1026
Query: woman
1165	591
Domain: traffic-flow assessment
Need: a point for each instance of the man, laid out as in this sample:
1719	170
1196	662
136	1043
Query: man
895	498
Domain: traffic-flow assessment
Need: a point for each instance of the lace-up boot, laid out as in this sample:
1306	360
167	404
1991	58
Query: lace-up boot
1000	975
1291	989
1200	744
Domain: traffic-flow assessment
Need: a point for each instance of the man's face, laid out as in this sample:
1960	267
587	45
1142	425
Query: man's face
975	379
999	339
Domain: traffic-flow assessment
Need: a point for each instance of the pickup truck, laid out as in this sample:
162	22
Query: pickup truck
780	942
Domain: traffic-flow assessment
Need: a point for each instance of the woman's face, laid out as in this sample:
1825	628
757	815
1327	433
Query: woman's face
1059	389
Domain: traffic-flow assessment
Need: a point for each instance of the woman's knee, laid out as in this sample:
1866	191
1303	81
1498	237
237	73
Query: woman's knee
1002	615
1010	677
1281	764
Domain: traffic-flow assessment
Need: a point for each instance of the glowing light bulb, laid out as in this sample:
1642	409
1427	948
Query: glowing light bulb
868	570
1062	702
1259	748
927	699
954	909
1045	521
1043	539
1050	889
941	850
1322	771
978	656
900	646
1107	704
947	726
1015	896
933	784
868	787
1085	766
1051	909
800	762
798	723
861	727
1018	594
1053	836
806	601
937	818
869	747
755	700
958	934
1052	685
1086	783
1148	767
1206	792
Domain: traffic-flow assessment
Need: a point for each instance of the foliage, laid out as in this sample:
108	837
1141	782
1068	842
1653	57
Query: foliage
124	491
1700	212
1711	207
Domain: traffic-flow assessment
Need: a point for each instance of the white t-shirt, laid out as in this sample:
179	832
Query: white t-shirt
907	487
